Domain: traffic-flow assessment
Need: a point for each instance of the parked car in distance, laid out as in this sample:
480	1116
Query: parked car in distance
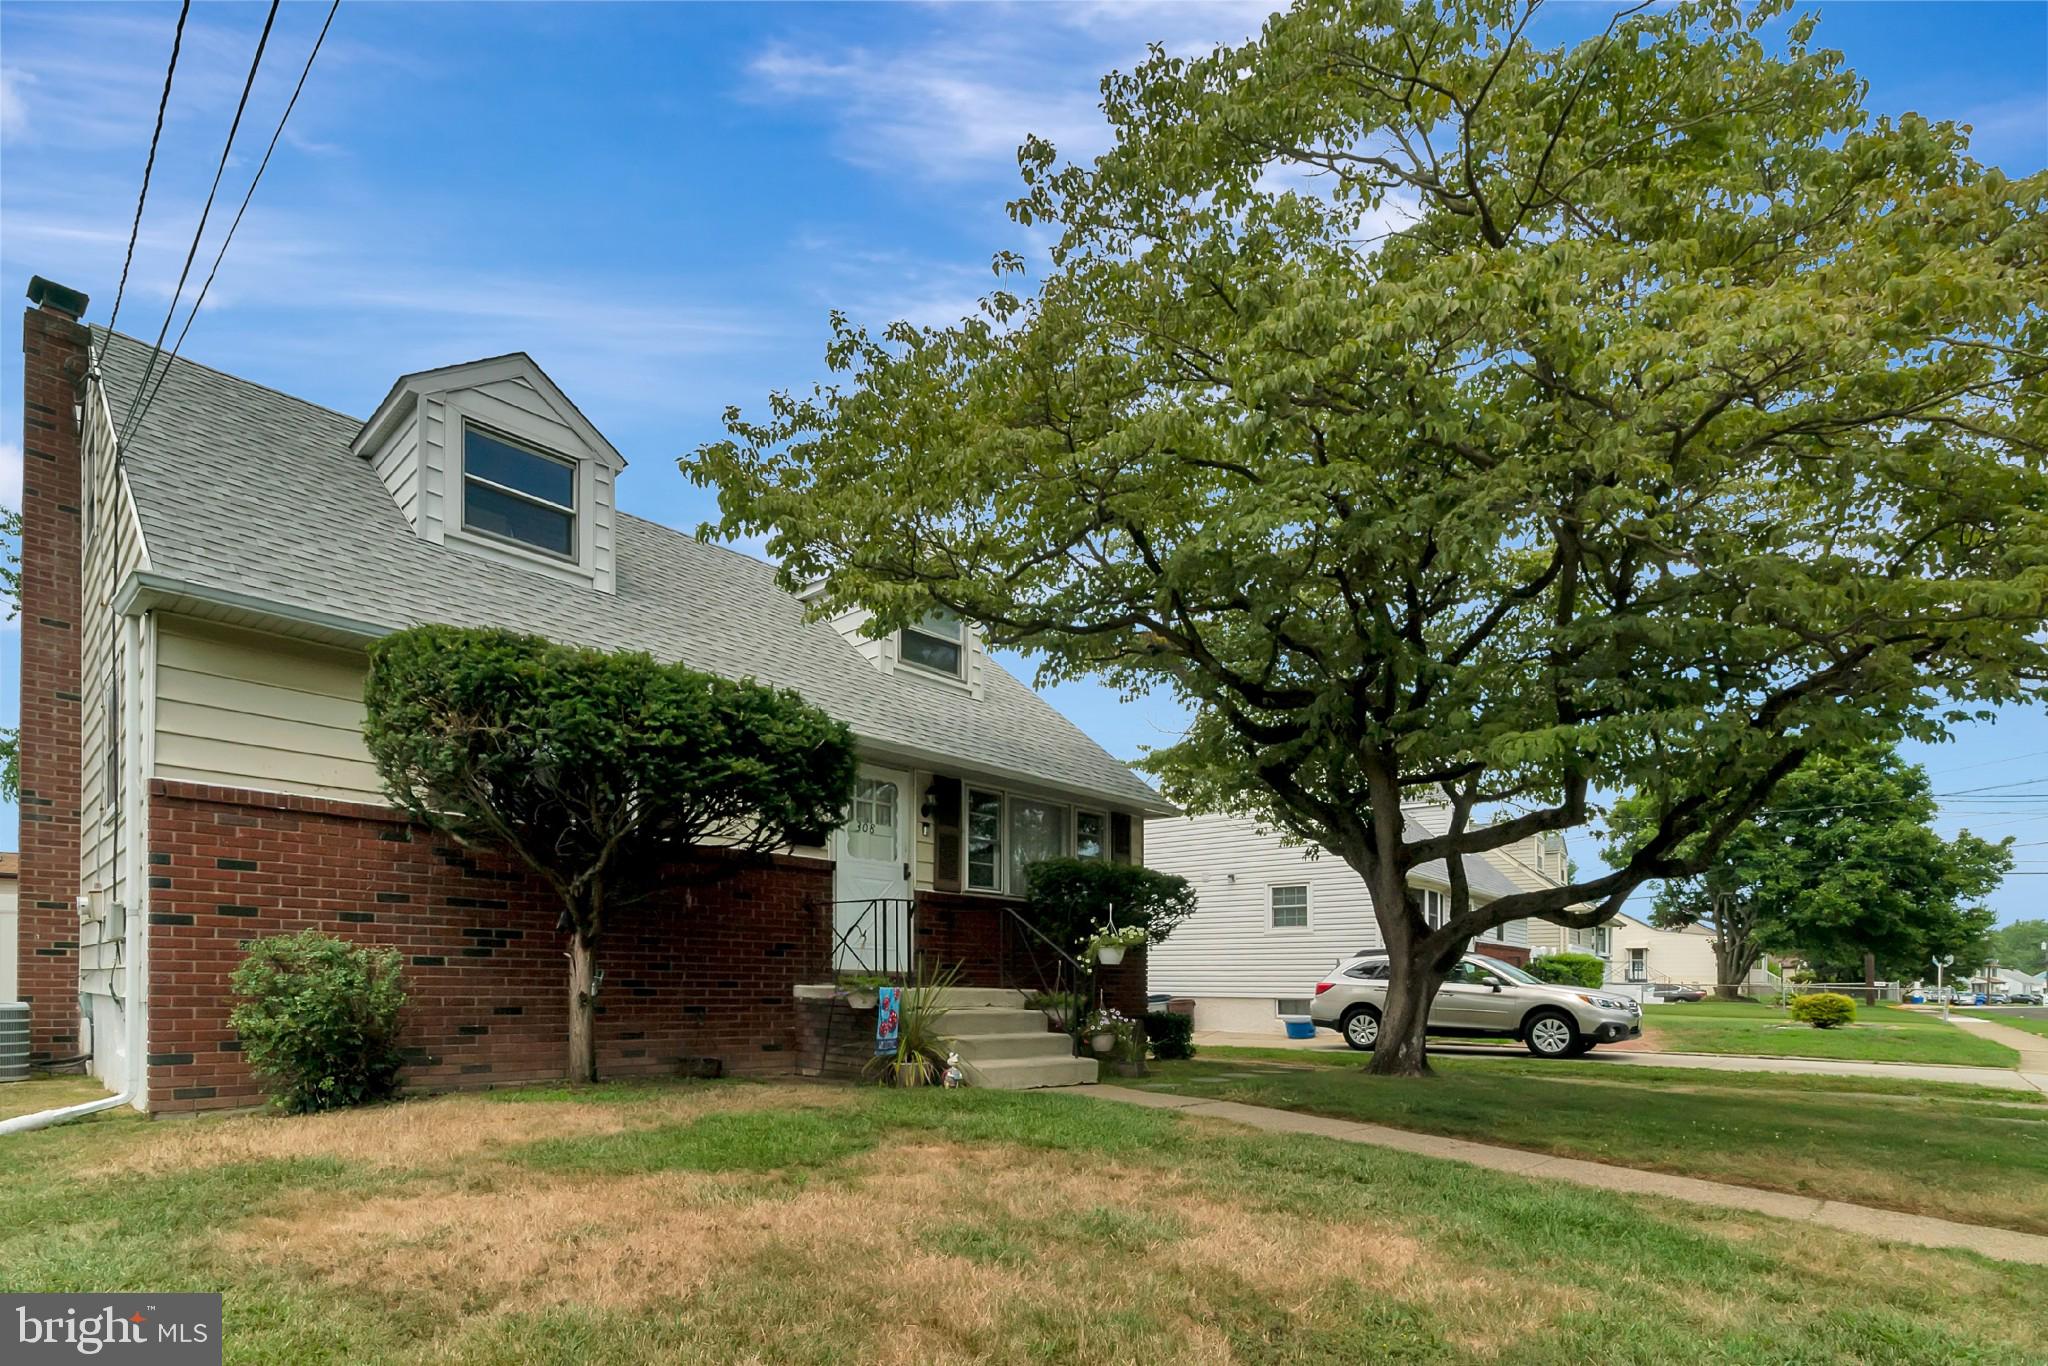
1482	998
1677	991
2027	998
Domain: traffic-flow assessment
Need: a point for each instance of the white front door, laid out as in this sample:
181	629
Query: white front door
871	882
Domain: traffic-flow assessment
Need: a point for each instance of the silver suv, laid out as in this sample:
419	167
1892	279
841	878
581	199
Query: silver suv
1482	998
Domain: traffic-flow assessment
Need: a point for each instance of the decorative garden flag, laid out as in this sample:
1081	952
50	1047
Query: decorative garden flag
886	1021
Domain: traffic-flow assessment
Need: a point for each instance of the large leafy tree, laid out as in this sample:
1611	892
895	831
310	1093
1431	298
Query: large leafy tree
1841	866
609	775
2019	945
1451	417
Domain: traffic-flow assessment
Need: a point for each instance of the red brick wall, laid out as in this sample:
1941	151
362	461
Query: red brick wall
992	950
54	359
702	973
1507	953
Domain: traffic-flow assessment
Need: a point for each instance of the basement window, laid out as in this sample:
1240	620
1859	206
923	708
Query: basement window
517	494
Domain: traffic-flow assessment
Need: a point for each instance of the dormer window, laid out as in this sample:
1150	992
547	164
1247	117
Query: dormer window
518	494
938	643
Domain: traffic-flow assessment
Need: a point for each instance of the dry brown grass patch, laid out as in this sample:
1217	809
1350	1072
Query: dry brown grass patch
416	1133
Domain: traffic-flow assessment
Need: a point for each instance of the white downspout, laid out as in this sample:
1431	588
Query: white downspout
135	930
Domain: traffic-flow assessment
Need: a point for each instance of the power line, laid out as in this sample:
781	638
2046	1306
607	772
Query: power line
163	103
247	85
254	181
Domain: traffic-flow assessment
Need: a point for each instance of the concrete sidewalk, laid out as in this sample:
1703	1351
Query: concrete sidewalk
2033	1071
2001	1244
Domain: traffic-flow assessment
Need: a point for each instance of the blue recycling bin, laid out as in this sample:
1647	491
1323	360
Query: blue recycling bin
1298	1028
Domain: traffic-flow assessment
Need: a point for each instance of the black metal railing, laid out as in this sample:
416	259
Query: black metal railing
873	937
1050	969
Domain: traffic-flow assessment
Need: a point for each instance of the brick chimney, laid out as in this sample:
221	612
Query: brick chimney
55	355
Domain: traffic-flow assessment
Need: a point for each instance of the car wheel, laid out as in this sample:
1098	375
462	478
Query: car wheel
1361	1026
1552	1035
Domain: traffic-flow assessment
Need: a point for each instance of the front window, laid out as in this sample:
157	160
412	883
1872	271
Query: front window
1290	908
984	841
1638	965
1091	835
937	643
1433	909
1038	830
518	494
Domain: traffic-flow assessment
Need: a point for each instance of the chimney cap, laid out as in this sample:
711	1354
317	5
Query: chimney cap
57	298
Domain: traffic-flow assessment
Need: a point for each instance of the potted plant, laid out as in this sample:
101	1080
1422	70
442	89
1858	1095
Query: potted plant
1106	1029
1108	944
861	989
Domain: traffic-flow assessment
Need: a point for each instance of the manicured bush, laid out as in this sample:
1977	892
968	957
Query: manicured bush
1823	1009
318	1018
1569	969
1172	1035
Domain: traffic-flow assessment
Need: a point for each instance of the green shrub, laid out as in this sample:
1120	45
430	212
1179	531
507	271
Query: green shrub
1823	1009
1172	1035
318	1019
1569	969
1071	900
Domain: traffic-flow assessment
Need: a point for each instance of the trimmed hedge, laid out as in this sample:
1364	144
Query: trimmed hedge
1823	1009
1569	969
1172	1036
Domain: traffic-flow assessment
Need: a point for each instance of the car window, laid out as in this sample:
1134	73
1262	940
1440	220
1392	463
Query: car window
1368	971
1471	975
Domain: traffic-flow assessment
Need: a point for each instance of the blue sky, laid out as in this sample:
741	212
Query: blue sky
661	203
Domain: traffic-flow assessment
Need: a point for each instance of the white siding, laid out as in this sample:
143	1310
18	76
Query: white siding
241	709
111	551
1229	948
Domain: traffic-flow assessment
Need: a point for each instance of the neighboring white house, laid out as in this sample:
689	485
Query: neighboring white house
1271	918
10	926
1646	955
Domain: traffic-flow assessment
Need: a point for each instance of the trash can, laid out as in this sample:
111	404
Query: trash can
1299	1026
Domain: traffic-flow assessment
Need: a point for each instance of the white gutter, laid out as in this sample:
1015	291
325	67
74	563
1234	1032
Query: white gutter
135	932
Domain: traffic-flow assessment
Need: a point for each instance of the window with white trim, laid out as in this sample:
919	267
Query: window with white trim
1434	911
1291	1005
938	643
1038	830
984	841
1091	835
1290	907
515	493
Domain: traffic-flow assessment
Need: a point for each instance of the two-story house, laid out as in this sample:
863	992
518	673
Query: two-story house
198	592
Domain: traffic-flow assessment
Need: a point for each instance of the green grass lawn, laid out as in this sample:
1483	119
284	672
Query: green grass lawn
1880	1034
1969	1153
718	1221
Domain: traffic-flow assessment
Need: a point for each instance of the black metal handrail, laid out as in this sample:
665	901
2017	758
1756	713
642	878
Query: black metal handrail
1071	977
875	940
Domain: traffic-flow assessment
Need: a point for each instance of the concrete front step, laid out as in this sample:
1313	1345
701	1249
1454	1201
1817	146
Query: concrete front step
970	1021
1036	1044
1024	1074
969	998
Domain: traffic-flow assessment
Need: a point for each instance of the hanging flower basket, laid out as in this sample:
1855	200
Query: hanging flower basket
861	998
1109	955
1103	1042
1109	944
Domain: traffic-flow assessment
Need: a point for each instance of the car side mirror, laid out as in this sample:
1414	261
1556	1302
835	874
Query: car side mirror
1496	986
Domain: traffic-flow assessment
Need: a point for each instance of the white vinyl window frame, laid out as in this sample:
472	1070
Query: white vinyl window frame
1291	1005
933	628
1005	799
1306	908
572	509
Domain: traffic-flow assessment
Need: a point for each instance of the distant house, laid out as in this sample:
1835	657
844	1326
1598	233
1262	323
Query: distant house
1645	955
10	925
1271	918
200	583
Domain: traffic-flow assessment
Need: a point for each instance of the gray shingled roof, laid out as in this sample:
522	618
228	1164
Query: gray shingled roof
245	491
1480	875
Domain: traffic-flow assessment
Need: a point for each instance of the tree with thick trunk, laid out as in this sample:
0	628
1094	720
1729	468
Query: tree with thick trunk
1449	418
613	777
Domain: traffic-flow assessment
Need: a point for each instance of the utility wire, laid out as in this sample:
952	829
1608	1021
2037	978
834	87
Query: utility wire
257	179
248	84
163	103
